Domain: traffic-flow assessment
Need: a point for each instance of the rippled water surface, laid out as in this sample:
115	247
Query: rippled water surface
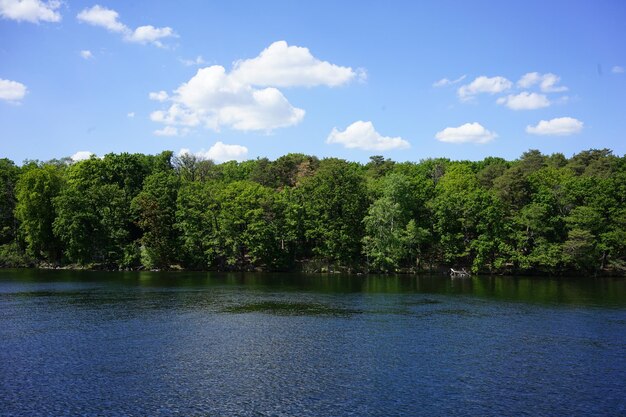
89	343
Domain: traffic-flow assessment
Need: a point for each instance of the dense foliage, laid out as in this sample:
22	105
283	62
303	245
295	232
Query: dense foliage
537	214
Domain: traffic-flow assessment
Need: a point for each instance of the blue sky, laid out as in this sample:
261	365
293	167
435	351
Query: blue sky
247	79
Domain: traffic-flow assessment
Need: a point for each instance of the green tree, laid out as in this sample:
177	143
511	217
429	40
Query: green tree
9	174
384	241
334	203
35	191
197	213
155	213
249	225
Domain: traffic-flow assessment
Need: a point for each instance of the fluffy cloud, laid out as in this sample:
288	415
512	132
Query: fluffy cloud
362	135
220	152
176	115
12	91
150	34
130	115
109	19
246	98
547	82
467	133
445	82
617	69
524	101
86	54
561	126
484	84
103	17
213	98
33	11
81	155
281	65
159	96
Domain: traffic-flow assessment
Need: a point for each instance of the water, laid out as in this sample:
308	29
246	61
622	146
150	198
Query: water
90	343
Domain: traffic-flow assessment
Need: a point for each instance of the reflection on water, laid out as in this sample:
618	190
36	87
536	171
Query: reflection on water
288	308
579	291
143	343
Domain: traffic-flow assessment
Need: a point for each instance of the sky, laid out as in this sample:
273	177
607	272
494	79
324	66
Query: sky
349	79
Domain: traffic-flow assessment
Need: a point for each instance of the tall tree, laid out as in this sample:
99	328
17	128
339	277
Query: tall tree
9	174
34	209
93	212
197	212
155	213
335	202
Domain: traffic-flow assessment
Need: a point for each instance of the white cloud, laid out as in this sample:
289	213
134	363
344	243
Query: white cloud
167	131
130	115
220	152
617	69
467	133
362	135
12	91
529	79
524	101
561	126
81	155
159	96
246	98
281	65
213	98
176	115
484	84
86	54
191	62
103	17
150	34
32	11
547	82
445	82
109	19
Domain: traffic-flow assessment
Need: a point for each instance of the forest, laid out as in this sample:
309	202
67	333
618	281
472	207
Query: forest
539	214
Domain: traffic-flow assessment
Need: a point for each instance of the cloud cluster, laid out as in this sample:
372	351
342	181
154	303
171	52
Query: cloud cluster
362	135
561	126
467	133
246	98
33	11
525	100
543	84
12	91
109	19
219	152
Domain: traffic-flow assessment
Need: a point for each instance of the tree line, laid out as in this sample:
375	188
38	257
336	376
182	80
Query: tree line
537	214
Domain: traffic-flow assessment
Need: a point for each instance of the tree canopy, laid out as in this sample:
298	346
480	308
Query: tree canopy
537	214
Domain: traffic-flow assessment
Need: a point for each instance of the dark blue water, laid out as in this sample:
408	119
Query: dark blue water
89	343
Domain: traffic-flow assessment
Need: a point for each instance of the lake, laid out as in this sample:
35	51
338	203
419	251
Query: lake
180	343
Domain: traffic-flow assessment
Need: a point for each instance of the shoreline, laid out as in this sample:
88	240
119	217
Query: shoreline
335	272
